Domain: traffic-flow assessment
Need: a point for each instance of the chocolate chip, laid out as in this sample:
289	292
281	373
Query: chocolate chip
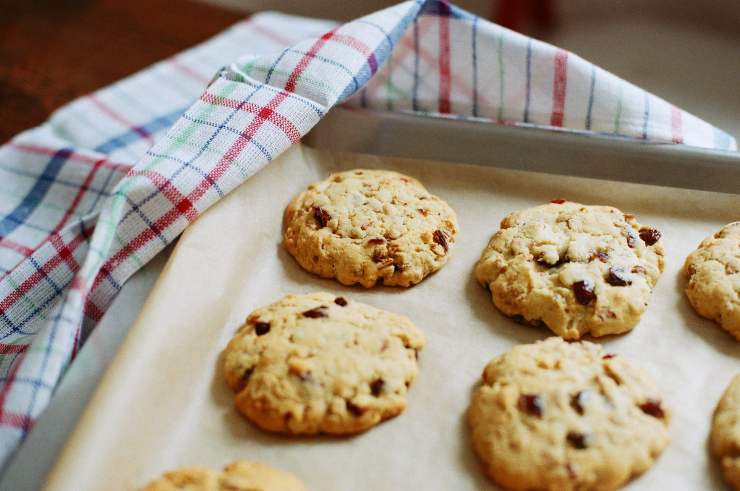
261	328
319	311
653	408
631	238
558	201
376	241
340	301
531	404
584	292
578	401
440	238
650	235
376	386
608	356
617	277
354	408
321	216
577	440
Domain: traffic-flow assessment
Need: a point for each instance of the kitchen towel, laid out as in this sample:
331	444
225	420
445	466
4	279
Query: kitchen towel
109	180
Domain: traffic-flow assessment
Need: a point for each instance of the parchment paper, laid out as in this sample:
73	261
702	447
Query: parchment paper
163	403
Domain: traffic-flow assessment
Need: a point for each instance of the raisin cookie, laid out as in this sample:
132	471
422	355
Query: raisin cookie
566	416
578	269
725	438
713	270
317	363
369	226
237	476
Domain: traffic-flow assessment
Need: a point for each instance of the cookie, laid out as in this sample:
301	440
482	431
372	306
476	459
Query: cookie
578	269
237	476
725	437
369	226
713	270
318	363
566	416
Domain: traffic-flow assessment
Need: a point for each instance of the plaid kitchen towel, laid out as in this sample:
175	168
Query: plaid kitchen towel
93	194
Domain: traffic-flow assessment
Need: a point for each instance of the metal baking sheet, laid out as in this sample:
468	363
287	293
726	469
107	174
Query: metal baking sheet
530	149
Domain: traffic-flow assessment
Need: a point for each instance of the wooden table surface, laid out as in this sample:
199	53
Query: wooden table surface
52	51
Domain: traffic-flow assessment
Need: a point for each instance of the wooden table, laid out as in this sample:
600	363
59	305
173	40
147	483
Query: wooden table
52	51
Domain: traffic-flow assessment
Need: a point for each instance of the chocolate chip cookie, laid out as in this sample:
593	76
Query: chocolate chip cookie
578	269
319	363
725	437
237	476
566	416
369	226
713	270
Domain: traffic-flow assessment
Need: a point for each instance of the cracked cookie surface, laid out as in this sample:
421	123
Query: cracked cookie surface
237	476
713	270
319	363
579	269
725	436
566	416
369	226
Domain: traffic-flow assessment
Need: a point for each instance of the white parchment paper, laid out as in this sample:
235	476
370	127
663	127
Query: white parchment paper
163	403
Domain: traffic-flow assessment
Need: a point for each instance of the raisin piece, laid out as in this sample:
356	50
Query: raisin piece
653	408
261	328
558	201
531	404
577	440
578	401
247	374
355	409
601	256
617	277
376	386
321	216
584	292
376	241
423	212
608	356
440	238
319	311
540	259
341	301
650	235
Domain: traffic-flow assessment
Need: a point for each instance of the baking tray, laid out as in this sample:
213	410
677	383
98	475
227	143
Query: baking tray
163	403
593	155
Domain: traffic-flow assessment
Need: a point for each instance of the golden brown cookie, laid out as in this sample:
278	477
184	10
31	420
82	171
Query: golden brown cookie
725	437
319	363
713	270
237	476
576	268
369	226
566	416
